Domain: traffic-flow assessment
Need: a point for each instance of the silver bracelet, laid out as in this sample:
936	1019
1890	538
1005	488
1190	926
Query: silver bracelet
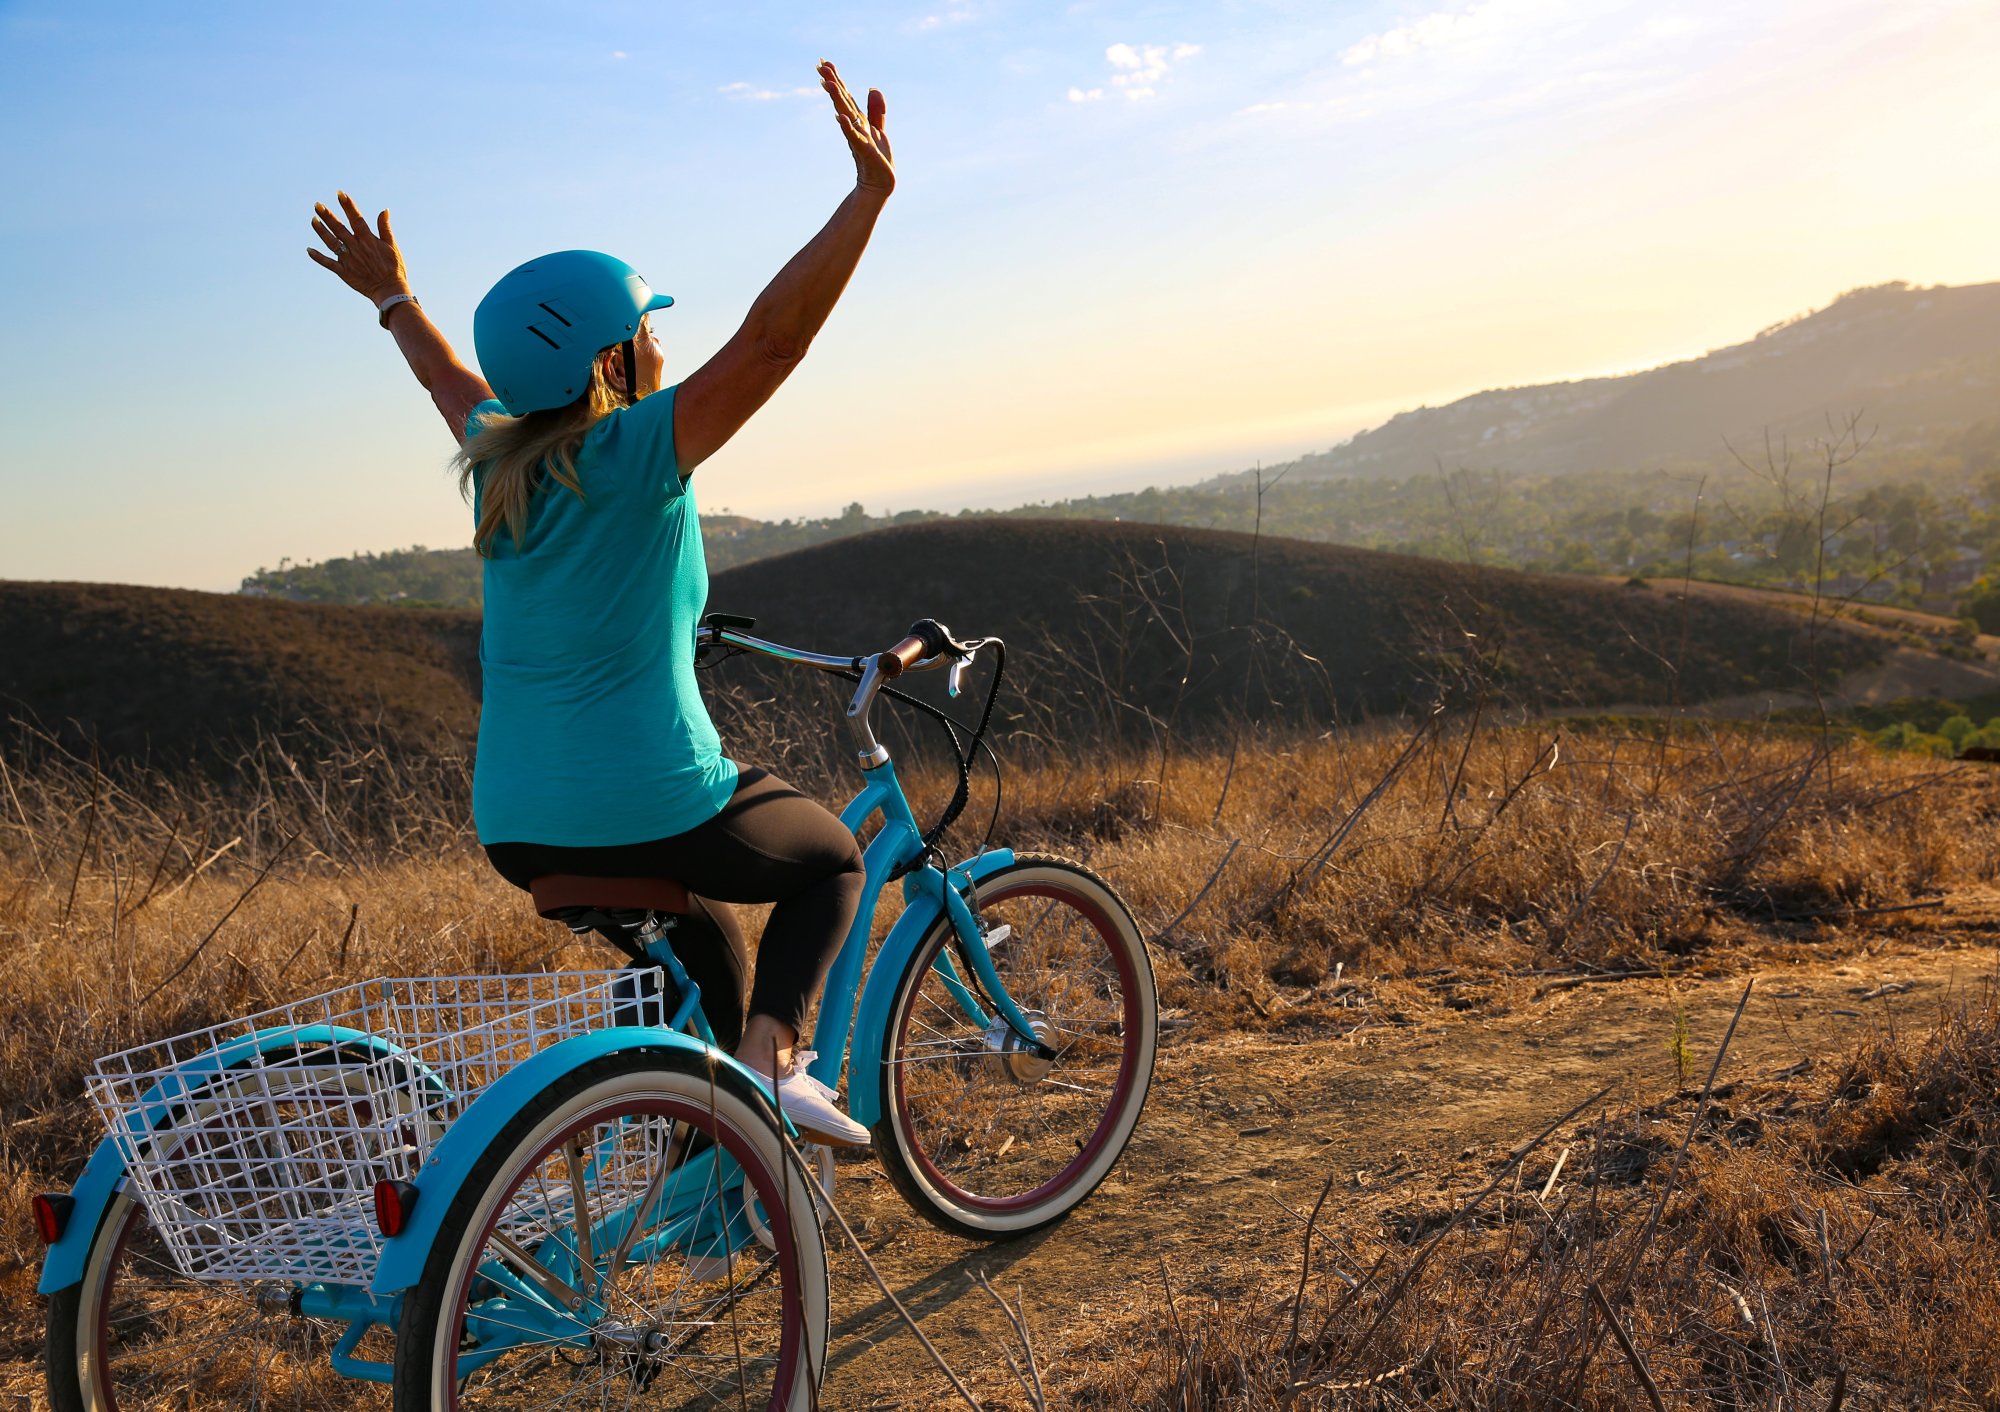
382	309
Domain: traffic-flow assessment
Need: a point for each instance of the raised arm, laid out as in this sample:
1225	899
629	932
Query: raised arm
369	263
719	396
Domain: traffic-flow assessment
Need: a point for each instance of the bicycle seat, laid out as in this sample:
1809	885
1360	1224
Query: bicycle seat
580	902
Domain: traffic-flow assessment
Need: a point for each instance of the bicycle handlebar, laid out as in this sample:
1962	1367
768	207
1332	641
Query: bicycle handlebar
927	647
709	634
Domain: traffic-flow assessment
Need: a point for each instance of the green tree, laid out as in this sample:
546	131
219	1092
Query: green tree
1983	607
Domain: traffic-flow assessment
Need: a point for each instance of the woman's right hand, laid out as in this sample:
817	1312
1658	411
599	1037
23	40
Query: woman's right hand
874	167
366	260
369	263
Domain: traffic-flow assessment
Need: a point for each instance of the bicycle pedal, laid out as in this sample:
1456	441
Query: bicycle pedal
707	1269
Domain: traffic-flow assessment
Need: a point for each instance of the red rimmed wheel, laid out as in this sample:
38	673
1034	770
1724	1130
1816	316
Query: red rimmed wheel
664	1326
979	1132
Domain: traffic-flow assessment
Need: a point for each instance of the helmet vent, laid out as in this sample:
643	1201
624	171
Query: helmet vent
554	313
544	337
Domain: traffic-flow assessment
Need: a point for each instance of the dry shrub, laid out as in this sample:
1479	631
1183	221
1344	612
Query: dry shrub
1390	851
1825	1232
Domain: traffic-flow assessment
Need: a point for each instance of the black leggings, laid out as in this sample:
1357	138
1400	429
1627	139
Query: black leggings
769	844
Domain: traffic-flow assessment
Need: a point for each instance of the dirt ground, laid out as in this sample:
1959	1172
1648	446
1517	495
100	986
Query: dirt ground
1407	1096
1878	615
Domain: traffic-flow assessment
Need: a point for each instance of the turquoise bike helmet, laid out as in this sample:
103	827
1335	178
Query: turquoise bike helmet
538	330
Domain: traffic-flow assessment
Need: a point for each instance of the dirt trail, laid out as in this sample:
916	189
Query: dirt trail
1416	1105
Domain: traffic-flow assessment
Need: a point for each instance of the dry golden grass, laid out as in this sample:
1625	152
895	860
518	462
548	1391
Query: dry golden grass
1525	848
1828	1240
136	906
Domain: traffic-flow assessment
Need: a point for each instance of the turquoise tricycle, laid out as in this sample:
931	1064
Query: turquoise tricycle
553	1190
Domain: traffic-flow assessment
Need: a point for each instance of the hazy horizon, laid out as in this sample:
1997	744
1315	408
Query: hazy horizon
1131	245
1234	450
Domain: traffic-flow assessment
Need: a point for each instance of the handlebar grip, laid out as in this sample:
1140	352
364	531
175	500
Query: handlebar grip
904	655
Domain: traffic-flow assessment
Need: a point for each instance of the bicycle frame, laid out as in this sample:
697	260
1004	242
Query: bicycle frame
845	1032
850	1034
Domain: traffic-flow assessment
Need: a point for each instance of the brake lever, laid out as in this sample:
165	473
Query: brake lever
955	678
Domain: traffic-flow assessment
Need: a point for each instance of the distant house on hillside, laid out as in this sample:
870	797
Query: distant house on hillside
1848	584
1949	579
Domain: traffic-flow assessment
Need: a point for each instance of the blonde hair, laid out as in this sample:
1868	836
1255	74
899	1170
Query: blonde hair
518	451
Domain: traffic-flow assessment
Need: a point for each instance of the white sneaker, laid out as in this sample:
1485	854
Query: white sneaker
814	1108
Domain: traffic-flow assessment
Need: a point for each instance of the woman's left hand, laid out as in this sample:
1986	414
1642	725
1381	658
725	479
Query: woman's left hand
874	168
366	260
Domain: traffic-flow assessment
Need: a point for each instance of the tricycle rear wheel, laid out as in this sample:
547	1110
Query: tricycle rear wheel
518	1306
135	1333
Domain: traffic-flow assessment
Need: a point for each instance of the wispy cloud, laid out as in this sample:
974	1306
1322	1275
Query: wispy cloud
955	12
1442	27
1136	70
756	94
1500	56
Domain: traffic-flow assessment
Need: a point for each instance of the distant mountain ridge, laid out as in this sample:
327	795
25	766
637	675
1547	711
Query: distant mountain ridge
1914	362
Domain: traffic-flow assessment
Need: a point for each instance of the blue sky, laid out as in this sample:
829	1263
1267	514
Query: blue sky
1131	241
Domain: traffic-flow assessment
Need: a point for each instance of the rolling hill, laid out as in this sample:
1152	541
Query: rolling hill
173	675
1160	618
1916	363
1105	622
1563	476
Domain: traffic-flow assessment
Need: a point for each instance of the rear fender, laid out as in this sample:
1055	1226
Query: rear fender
103	1178
921	909
451	1161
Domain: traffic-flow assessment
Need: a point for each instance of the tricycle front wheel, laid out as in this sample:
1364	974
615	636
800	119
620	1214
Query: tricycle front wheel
984	1135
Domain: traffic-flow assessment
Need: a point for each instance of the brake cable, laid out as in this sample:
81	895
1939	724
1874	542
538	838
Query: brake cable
962	756
962	794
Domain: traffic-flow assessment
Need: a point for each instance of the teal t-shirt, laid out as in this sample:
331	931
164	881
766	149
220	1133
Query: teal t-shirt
592	729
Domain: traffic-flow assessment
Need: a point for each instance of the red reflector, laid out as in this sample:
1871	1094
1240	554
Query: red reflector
52	1216
394	1201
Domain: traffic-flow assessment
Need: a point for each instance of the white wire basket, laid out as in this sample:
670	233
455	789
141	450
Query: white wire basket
255	1145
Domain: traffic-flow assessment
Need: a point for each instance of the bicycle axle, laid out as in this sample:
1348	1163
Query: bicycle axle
1018	1059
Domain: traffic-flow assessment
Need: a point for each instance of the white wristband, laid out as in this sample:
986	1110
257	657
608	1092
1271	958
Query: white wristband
382	309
